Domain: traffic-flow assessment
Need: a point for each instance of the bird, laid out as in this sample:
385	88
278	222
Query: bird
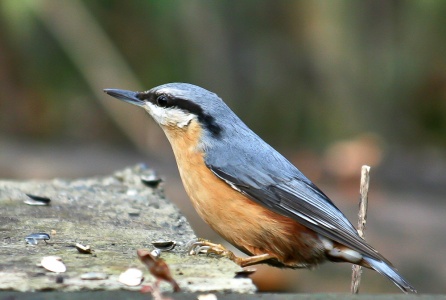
248	192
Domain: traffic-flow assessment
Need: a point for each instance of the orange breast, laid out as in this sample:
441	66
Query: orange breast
241	221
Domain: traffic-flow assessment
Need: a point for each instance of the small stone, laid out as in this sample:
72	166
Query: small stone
132	192
59	279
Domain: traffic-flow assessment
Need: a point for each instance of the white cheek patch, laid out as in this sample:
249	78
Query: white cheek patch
170	116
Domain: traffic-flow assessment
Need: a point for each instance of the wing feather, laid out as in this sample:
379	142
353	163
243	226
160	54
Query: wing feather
302	201
257	170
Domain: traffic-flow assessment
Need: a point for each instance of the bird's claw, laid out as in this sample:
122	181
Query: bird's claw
199	250
195	247
201	246
217	251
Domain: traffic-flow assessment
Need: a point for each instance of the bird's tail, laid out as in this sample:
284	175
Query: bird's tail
390	272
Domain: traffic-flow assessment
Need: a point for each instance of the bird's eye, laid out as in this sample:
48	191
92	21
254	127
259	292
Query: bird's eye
162	101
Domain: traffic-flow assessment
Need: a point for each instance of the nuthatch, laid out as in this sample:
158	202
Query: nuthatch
249	193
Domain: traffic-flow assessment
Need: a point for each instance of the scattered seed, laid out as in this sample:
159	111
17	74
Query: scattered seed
83	249
31	241
37	200
94	276
35	203
33	238
151	180
156	253
245	273
164	245
53	264
131	277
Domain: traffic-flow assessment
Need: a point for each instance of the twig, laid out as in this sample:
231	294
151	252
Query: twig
362	219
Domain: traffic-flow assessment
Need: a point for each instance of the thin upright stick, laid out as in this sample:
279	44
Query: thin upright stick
362	219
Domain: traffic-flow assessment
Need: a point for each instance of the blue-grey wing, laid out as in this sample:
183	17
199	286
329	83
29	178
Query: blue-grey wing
272	181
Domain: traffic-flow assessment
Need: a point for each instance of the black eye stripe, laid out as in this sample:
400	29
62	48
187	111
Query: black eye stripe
142	95
162	100
165	100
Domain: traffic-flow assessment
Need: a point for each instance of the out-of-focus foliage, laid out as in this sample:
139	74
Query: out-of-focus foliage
346	77
301	73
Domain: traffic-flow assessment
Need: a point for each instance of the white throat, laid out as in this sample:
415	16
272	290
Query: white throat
170	116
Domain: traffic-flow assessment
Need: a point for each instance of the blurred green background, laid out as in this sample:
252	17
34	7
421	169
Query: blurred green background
331	84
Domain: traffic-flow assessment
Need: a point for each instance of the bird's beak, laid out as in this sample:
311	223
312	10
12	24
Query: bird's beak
127	96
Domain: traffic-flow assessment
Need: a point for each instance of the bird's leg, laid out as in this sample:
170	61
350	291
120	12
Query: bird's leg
253	260
204	246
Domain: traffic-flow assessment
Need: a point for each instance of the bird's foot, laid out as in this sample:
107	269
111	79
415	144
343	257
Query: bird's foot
196	247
